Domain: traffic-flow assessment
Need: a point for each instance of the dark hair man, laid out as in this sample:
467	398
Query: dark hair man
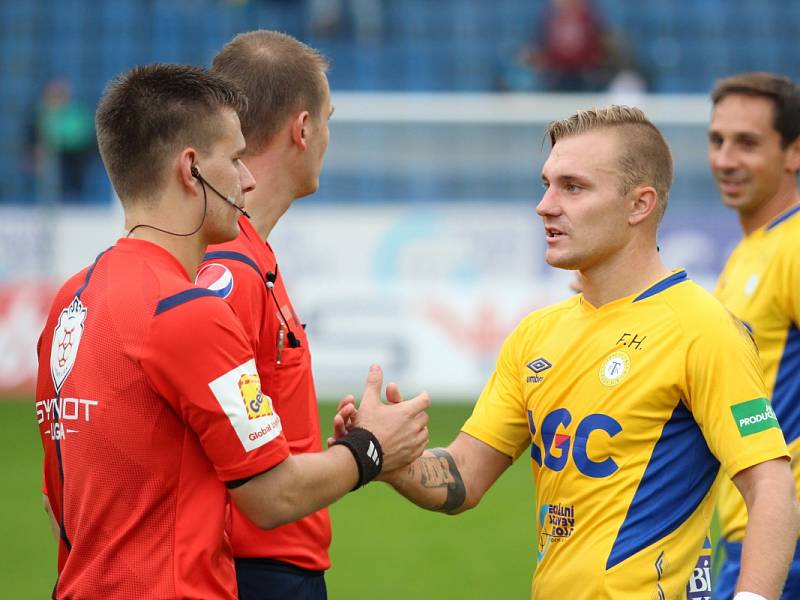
754	154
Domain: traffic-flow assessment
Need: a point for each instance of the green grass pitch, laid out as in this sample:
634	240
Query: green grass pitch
383	547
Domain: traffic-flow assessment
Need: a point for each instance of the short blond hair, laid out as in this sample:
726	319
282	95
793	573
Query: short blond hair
645	158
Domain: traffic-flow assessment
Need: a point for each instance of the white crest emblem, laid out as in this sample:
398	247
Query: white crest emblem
66	338
615	368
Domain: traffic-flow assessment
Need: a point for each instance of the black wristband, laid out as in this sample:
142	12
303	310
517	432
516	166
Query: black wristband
366	450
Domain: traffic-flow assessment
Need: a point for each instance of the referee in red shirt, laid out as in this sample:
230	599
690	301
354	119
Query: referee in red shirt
286	128
148	399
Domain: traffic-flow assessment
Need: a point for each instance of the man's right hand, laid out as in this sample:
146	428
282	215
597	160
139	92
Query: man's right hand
401	427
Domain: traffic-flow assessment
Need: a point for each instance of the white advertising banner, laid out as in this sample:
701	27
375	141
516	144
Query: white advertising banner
429	291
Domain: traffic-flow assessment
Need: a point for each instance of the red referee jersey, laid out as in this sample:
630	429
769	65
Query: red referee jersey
147	399
238	271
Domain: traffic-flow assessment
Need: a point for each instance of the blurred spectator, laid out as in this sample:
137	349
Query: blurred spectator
568	53
628	80
61	141
570	49
328	18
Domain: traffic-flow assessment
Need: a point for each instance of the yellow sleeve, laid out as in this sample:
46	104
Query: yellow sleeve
726	393
499	418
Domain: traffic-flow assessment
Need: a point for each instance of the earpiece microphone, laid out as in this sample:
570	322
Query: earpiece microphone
196	174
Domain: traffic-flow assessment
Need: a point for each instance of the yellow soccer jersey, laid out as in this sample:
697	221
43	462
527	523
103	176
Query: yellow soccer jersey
628	410
761	285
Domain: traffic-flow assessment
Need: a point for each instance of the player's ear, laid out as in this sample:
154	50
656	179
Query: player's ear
643	203
300	129
793	156
186	160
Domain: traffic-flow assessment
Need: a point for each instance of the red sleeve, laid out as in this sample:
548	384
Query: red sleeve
197	357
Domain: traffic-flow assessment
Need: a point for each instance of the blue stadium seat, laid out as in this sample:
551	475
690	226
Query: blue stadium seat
442	45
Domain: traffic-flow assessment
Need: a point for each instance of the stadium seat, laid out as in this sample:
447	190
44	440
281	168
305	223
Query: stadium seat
447	45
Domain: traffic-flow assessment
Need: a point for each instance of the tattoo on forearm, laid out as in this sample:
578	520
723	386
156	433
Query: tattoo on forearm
440	471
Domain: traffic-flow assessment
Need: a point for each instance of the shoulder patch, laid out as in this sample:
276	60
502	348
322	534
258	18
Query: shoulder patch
215	277
249	409
754	416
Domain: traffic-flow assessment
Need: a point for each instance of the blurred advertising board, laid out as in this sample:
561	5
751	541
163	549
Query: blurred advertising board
429	291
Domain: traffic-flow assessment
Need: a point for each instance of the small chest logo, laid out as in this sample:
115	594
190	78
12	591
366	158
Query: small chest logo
614	368
751	285
66	339
257	403
537	366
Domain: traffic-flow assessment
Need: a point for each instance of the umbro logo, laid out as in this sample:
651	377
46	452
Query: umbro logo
372	452
537	366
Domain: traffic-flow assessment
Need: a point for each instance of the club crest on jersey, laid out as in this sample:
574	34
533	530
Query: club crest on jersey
215	277
751	285
614	368
66	339
257	403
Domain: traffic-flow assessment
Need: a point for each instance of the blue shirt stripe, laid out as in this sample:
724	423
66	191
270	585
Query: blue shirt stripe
229	255
783	217
183	297
786	393
90	272
677	478
662	285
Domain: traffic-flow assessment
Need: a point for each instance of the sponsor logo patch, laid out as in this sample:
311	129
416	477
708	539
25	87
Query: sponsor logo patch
66	339
556	525
249	409
754	416
60	415
255	401
614	368
215	277
699	585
